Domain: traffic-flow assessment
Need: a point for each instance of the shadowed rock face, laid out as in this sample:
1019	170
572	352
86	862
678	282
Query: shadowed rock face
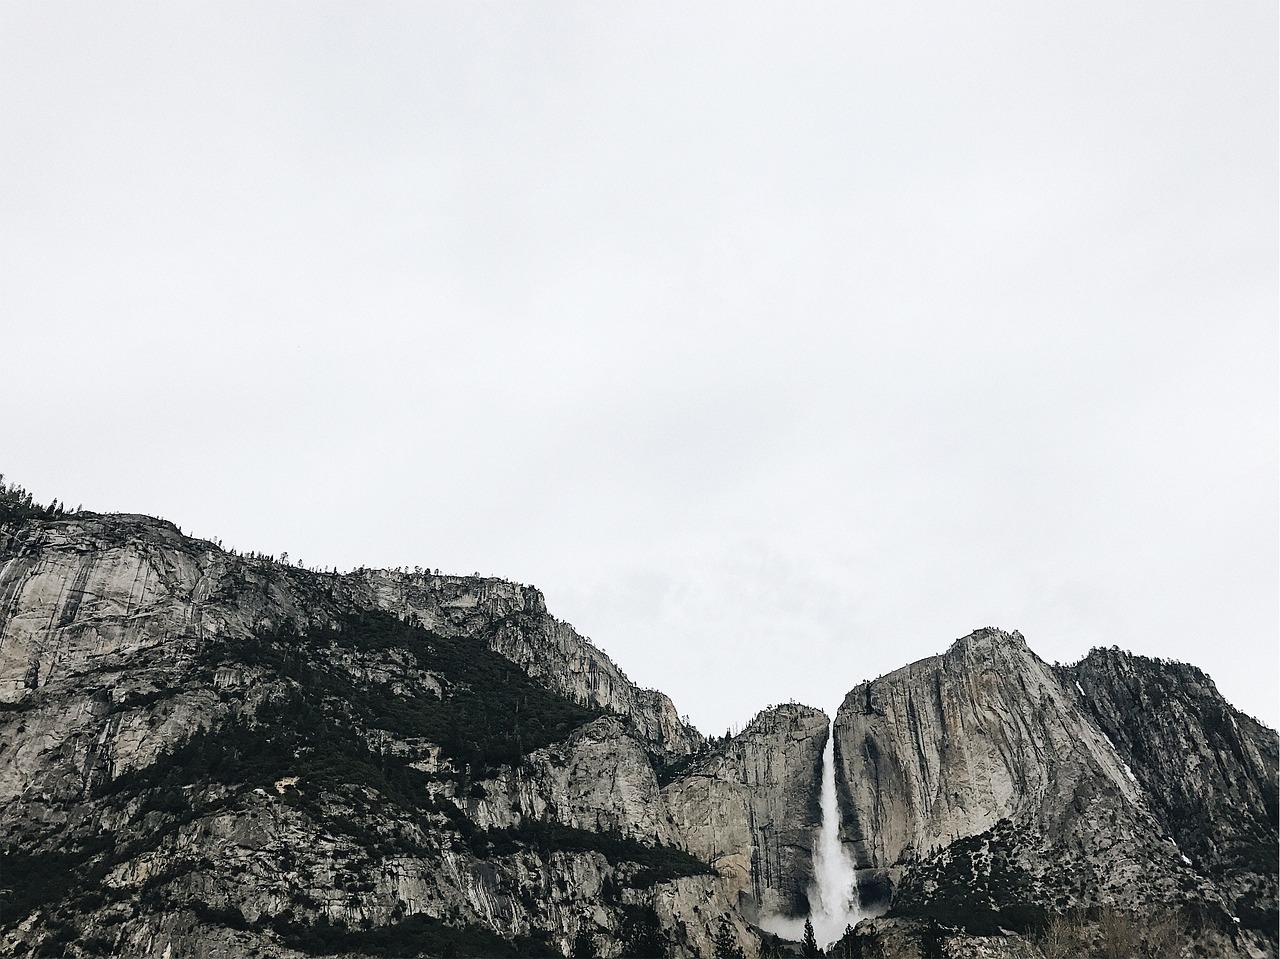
513	620
752	807
1208	770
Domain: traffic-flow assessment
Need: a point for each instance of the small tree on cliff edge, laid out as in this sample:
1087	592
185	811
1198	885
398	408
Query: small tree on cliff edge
810	945
727	946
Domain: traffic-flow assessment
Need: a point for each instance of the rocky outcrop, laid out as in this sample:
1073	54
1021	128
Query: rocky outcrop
751	807
600	779
145	677
1209	772
981	783
80	588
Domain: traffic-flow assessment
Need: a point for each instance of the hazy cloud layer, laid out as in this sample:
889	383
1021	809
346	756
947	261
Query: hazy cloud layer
779	346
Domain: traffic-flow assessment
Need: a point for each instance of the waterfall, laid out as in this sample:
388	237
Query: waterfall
833	896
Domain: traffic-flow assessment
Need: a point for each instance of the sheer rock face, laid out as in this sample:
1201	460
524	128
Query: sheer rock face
949	746
95	614
988	762
752	808
1208	770
76	590
103	624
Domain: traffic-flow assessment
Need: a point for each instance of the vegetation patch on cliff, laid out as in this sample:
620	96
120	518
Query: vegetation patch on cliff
489	714
414	936
644	865
975	885
323	745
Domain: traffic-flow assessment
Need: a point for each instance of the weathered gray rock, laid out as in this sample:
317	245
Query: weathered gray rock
600	779
949	746
106	625
1208	770
75	590
981	781
751	807
513	620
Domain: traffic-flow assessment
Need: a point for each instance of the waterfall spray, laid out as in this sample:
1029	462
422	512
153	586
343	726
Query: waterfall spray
833	894
833	897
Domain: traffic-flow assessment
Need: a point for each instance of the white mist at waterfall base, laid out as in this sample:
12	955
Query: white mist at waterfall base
833	894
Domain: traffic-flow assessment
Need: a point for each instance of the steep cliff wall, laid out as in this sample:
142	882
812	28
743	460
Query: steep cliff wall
984	786
751	807
206	754
949	746
1208	770
78	588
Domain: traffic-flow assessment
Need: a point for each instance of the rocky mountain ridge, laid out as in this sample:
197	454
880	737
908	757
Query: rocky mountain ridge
132	569
987	788
129	652
210	754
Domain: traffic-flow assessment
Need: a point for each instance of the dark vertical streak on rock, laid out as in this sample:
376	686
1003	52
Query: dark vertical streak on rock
75	595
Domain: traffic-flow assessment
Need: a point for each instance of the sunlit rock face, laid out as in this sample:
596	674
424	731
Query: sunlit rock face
989	769
122	641
752	807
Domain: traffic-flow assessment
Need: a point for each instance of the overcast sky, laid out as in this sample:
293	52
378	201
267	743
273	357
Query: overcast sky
780	345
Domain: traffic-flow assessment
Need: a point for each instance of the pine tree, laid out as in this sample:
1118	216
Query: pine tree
727	946
810	944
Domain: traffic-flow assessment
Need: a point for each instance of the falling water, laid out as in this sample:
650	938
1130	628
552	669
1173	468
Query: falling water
833	894
833	897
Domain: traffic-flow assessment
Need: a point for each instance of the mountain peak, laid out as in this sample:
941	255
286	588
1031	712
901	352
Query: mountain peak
989	637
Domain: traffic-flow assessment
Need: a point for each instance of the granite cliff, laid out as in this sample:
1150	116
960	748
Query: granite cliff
750	806
211	754
91	586
986	789
1207	770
